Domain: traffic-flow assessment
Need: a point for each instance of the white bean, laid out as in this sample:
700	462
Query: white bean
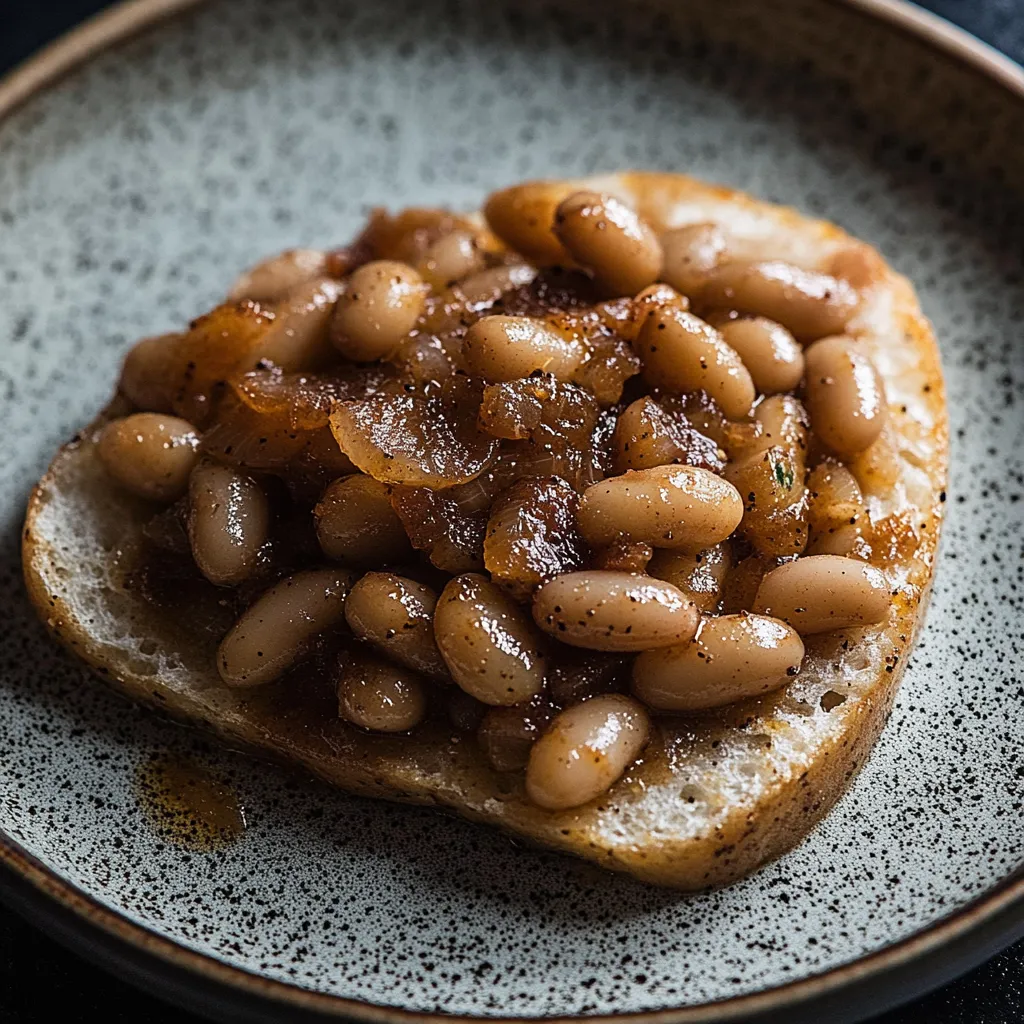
378	696
844	394
731	658
502	348
489	645
228	522
819	593
149	454
605	610
379	307
274	632
396	615
585	751
681	353
690	254
769	352
665	506
808	303
608	238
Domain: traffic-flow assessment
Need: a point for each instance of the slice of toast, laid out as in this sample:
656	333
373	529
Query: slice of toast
713	796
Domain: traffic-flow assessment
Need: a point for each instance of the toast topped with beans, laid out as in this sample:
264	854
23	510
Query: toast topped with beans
607	516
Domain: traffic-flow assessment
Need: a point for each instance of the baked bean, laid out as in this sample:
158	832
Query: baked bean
298	339
819	593
506	734
808	303
690	254
488	643
379	696
355	523
614	611
836	511
878	467
769	352
228	522
771	483
782	422
275	631
145	372
731	658
522	217
646	303
699	575
485	287
502	348
681	352
604	235
844	394
585	751
149	454
451	258
378	308
396	615
643	437
274	278
665	506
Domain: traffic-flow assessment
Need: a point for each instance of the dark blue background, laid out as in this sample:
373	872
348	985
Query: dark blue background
40	981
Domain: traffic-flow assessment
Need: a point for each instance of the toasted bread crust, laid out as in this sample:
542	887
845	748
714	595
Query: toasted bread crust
713	797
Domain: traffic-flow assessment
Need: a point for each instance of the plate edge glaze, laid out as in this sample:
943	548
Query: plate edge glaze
846	993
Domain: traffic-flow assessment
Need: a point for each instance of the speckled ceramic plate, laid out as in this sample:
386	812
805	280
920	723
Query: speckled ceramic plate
133	191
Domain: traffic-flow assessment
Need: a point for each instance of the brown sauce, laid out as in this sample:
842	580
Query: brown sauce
189	805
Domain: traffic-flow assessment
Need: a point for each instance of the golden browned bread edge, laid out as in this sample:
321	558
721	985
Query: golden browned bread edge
429	769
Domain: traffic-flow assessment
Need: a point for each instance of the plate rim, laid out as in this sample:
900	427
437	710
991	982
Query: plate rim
902	971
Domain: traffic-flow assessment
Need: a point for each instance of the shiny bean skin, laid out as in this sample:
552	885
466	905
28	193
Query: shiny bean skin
836	510
731	658
273	279
503	348
819	593
690	254
144	373
228	522
378	696
699	575
648	302
585	751
485	287
356	524
609	239
491	648
451	258
844	395
665	506
603	610
810	304
275	631
379	307
396	615
681	353
149	454
522	217
783	423
299	338
769	352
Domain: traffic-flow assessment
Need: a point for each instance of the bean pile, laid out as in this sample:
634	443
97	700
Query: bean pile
549	477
